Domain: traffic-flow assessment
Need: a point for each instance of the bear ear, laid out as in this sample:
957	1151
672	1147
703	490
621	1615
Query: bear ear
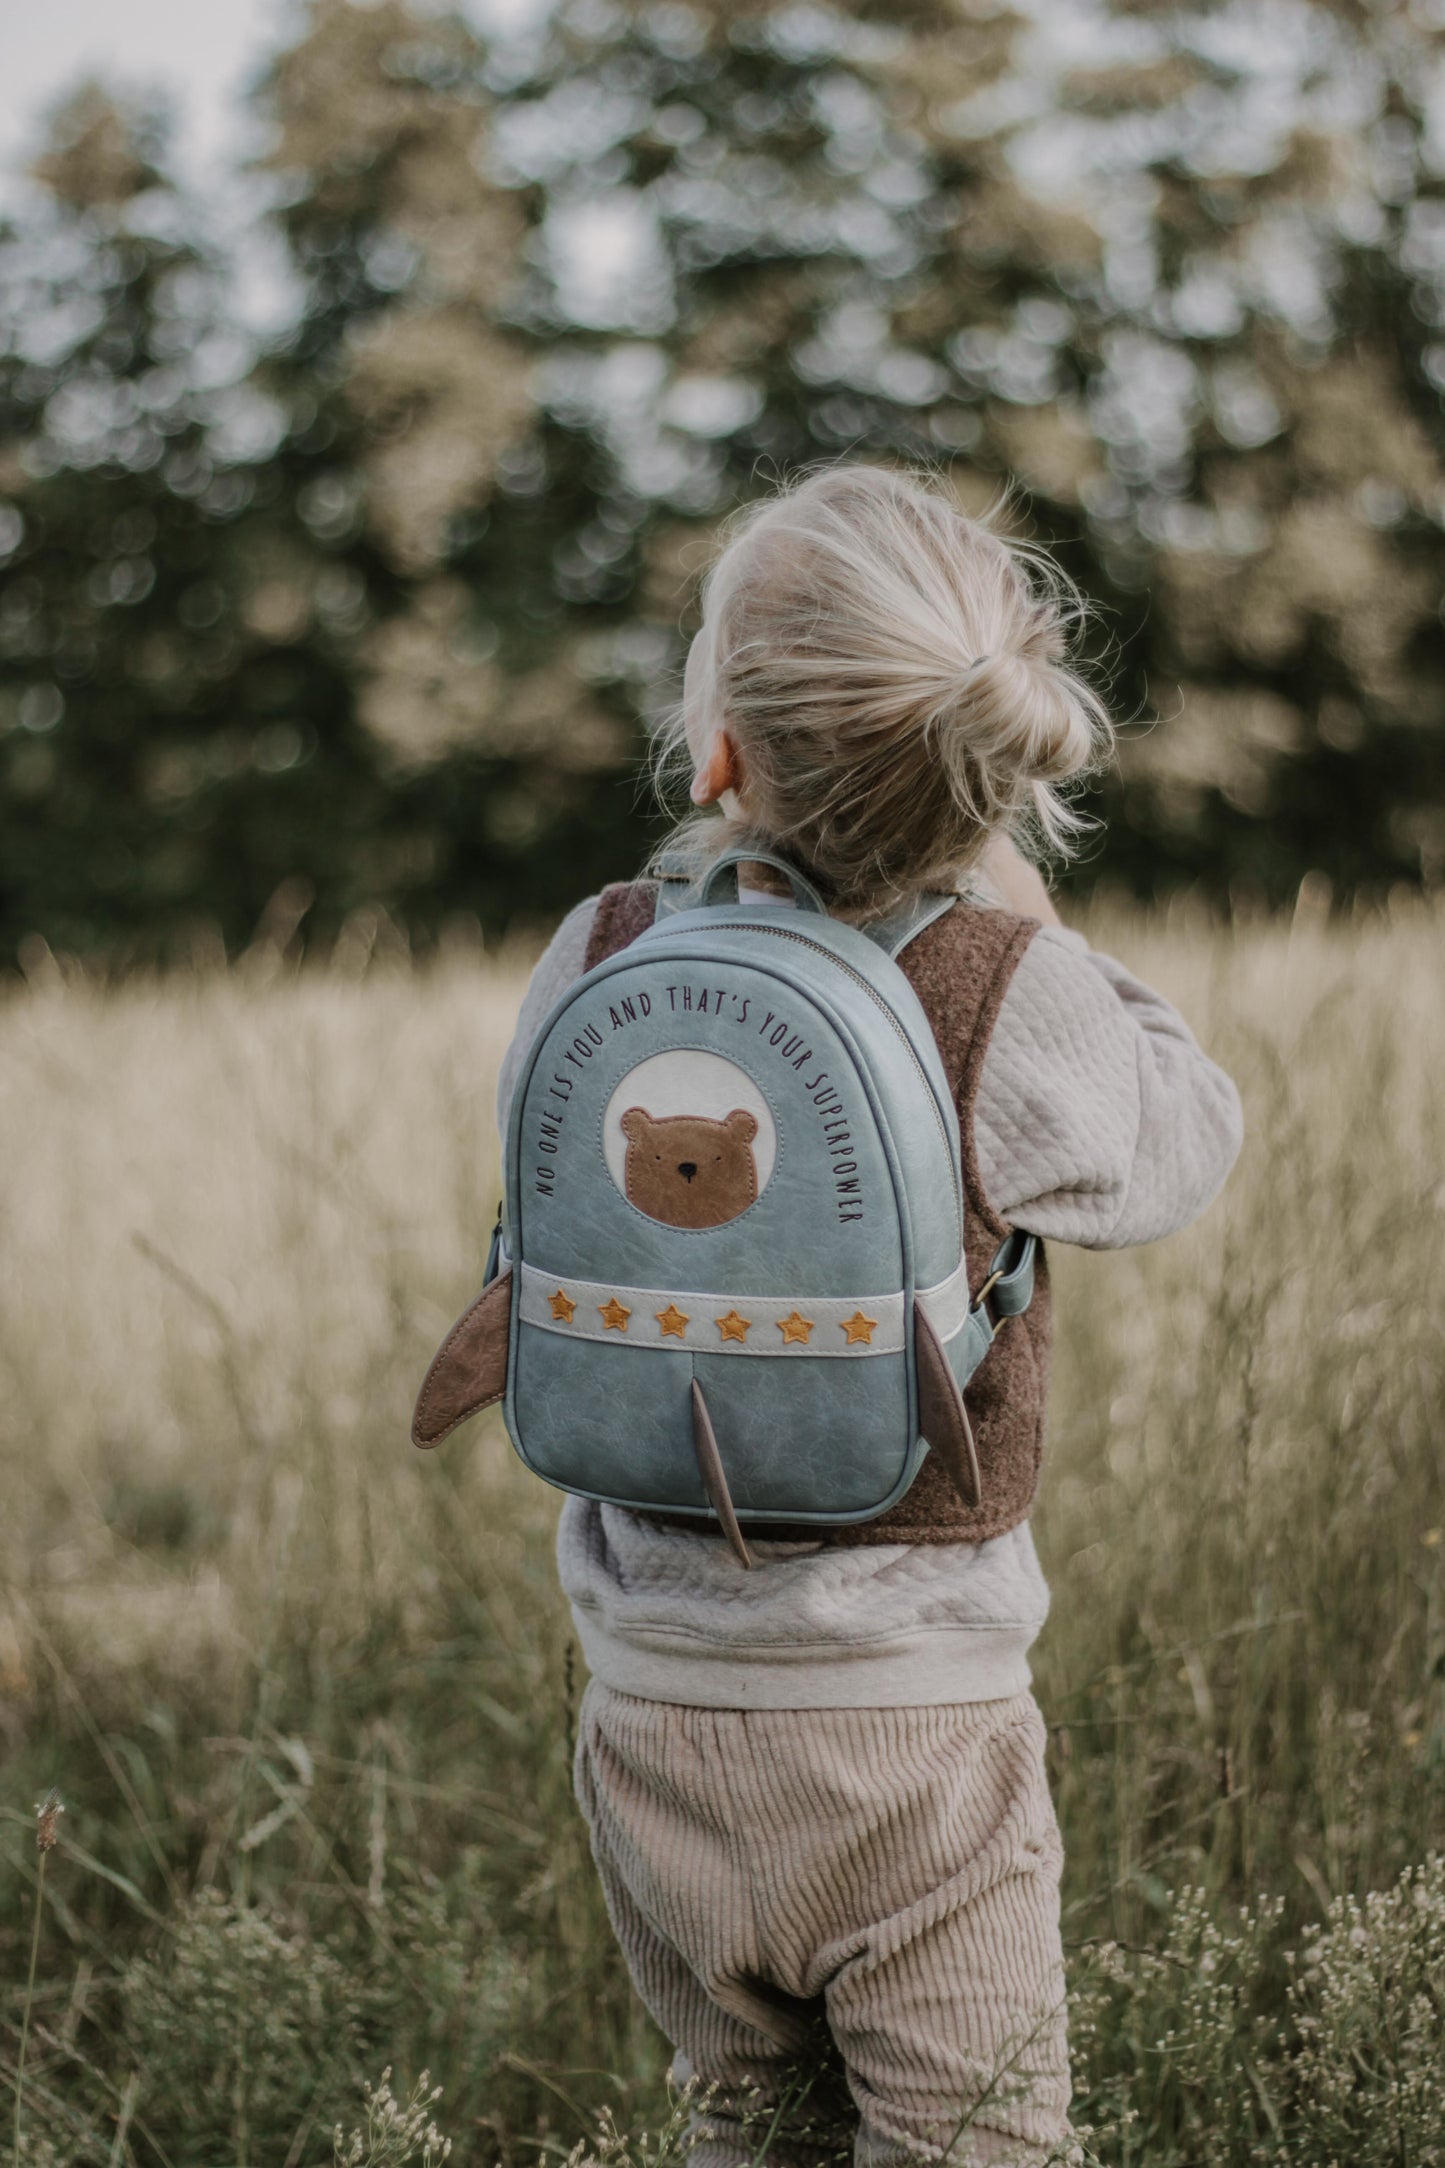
635	1124
741	1124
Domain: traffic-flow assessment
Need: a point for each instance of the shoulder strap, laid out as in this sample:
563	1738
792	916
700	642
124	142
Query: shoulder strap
894	932
676	874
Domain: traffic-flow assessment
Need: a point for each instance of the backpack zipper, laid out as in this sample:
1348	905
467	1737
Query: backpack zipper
788	933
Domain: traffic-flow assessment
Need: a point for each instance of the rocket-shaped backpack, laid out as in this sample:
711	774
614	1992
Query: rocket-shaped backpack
728	1279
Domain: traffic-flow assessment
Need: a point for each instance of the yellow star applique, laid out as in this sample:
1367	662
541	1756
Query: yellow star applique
795	1330
858	1327
672	1320
614	1314
733	1327
562	1306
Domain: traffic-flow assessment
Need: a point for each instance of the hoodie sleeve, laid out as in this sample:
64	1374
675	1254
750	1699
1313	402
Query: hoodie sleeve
1098	1118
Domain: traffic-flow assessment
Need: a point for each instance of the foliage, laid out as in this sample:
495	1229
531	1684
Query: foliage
395	2131
1370	2071
1351	2067
245	2022
373	612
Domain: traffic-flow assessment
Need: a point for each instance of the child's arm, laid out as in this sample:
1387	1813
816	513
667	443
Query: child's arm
1098	1119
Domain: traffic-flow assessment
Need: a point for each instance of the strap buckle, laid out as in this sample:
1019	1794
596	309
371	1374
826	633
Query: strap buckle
980	1300
1012	1270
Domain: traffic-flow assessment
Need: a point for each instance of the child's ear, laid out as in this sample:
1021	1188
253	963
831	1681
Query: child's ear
720	770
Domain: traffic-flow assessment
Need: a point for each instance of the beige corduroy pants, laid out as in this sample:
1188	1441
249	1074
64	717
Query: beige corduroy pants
884	1879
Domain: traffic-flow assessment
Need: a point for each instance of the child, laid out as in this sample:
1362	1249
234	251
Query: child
817	1790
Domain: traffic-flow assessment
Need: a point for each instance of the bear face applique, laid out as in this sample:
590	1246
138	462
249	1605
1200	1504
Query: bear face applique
689	1171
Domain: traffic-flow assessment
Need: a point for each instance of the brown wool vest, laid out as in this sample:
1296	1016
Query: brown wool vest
959	967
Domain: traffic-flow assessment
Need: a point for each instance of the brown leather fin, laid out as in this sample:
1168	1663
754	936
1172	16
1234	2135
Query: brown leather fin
469	1370
942	1416
714	1481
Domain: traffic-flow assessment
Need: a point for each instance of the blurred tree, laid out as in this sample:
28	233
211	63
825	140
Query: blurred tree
400	594
1180	272
508	778
180	725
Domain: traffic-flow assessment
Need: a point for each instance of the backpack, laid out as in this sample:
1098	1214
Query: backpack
728	1279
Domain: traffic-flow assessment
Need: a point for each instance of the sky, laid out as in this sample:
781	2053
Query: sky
201	52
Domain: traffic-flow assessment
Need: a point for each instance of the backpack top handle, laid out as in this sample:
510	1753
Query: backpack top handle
726	867
680	889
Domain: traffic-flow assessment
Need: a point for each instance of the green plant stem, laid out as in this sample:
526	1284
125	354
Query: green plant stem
29	1998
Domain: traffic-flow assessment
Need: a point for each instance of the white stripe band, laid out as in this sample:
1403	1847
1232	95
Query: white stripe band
712	1324
948	1303
733	1324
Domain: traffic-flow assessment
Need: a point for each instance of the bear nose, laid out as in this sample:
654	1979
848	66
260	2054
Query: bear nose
687	1168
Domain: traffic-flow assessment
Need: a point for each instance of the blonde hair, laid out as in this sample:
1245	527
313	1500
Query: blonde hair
896	677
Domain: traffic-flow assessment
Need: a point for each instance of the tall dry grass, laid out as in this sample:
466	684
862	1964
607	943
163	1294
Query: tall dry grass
308	1696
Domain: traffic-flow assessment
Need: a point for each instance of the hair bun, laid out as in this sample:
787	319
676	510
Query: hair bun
1023	712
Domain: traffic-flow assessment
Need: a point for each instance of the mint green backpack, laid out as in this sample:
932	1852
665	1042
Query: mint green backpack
728	1280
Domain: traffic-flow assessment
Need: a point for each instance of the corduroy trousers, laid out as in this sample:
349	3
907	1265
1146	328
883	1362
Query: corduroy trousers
875	1888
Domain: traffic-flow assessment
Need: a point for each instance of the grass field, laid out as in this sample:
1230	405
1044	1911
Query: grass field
307	1697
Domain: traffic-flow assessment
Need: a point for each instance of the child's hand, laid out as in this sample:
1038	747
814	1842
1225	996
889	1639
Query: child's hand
1018	885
